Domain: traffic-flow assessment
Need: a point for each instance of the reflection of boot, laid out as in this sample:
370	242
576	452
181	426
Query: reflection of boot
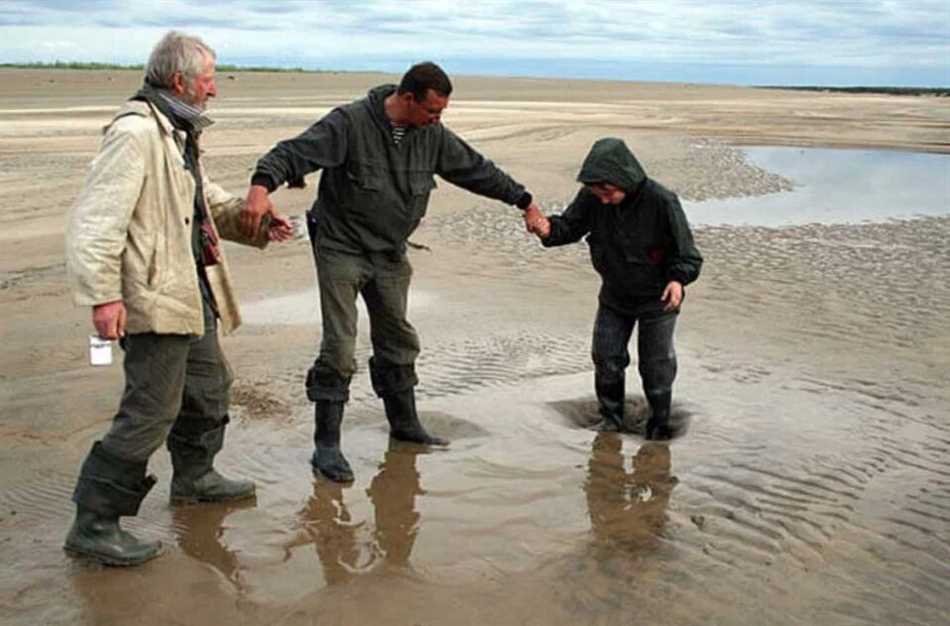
193	444
201	535
327	525
658	426
404	421
108	488
327	457
393	493
610	399
607	503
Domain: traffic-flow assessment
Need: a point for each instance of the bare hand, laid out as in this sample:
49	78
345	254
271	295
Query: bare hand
279	228
535	221
672	296
109	319
257	206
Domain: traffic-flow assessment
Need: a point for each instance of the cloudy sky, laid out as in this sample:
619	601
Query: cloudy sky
805	42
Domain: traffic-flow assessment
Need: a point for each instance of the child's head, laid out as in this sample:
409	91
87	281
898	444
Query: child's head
607	193
610	171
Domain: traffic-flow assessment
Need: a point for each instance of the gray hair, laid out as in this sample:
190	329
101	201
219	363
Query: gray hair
177	52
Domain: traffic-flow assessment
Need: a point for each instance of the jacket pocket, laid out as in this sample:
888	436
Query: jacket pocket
365	176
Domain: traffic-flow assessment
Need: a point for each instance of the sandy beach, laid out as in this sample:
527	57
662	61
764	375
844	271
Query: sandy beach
812	486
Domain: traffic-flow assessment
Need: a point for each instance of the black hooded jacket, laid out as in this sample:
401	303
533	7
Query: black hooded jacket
638	246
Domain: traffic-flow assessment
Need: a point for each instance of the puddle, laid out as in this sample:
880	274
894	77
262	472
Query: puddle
303	307
834	186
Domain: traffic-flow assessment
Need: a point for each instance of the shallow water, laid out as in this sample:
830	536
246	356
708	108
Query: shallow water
812	484
835	187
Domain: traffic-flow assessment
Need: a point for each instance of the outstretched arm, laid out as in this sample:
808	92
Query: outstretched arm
322	145
570	226
462	165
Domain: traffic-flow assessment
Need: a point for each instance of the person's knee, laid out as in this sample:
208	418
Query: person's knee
390	378
609	363
325	382
658	373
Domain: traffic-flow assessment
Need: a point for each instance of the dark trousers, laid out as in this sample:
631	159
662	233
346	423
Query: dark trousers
170	381
382	280
176	388
656	357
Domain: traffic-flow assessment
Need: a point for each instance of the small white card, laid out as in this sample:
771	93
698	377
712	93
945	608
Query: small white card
100	350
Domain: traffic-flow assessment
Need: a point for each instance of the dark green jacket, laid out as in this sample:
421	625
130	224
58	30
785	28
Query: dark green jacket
638	246
373	193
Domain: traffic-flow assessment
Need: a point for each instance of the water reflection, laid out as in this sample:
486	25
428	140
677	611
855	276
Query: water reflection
834	186
342	544
393	493
327	525
627	508
200	533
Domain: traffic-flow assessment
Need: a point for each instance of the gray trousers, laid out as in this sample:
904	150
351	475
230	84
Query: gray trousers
382	280
656	356
176	389
171	381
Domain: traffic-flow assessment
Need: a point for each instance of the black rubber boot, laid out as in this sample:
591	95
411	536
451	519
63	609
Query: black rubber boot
108	488
193	445
610	400
101	538
404	422
659	427
328	458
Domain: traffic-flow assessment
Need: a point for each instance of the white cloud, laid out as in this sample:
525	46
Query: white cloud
883	36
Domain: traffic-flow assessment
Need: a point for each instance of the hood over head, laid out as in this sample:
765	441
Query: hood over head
610	161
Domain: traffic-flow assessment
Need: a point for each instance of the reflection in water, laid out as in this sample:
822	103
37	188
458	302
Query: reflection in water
200	533
393	493
627	509
328	525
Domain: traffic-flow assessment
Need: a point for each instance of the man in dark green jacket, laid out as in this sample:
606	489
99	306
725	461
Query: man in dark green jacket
378	155
642	247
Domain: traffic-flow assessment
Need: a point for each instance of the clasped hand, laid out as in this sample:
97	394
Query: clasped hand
535	221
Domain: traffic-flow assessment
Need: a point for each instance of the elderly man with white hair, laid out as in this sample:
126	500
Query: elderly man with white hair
142	249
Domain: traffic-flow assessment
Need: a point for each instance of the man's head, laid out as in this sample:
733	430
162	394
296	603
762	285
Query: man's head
424	93
184	65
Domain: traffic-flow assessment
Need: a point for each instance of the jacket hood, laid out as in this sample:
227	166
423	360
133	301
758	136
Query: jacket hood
376	98
610	161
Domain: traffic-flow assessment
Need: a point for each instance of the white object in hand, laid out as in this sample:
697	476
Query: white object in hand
100	350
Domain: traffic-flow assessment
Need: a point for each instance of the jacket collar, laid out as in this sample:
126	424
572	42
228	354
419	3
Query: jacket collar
144	109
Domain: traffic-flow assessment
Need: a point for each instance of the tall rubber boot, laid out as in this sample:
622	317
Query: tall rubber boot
100	537
404	422
328	457
193	445
610	399
659	427
109	487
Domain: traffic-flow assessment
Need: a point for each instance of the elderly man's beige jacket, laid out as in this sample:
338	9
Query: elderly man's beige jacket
129	234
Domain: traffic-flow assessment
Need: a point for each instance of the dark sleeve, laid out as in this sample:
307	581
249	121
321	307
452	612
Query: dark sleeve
685	260
573	224
461	165
322	145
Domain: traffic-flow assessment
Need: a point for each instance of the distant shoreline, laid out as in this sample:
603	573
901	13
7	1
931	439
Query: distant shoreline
77	65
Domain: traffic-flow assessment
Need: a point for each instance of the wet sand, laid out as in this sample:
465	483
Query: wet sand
812	486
